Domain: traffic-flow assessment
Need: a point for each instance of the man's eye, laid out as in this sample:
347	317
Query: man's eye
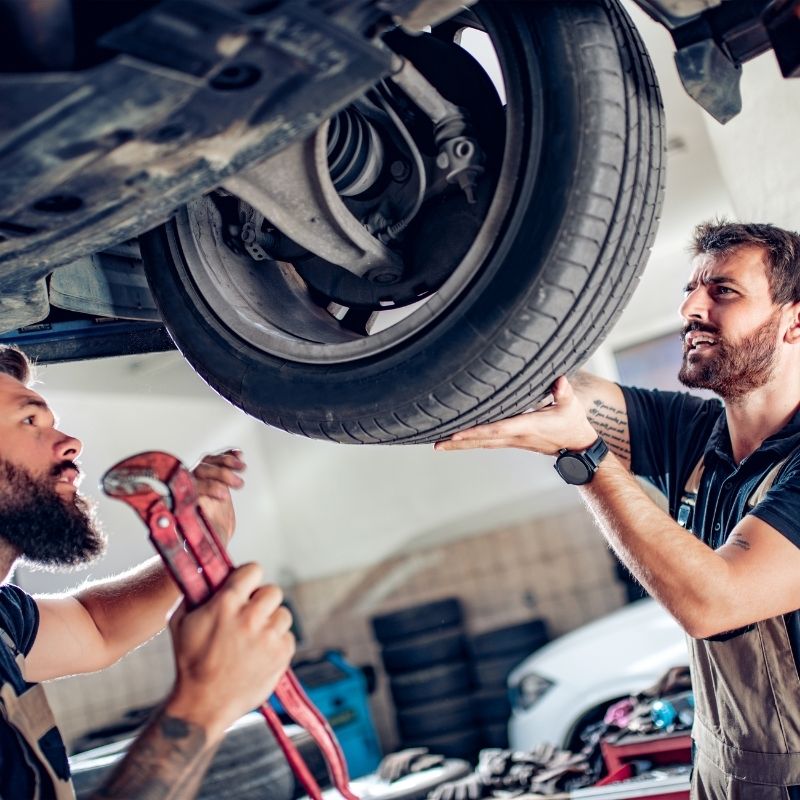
29	420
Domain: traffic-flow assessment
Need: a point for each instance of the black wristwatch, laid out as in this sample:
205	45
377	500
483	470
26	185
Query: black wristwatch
579	466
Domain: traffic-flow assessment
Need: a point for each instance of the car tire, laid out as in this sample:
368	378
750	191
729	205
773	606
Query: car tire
424	651
414	620
491	673
512	639
426	685
432	719
580	191
434	683
492	705
495	734
461	744
248	765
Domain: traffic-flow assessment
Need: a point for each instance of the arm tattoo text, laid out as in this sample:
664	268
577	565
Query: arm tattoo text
612	424
737	540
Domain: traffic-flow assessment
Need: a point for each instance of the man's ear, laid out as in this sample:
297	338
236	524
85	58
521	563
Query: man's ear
792	335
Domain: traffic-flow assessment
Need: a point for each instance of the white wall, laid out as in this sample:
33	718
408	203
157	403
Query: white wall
758	151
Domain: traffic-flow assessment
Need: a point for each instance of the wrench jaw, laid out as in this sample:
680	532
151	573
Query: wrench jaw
142	480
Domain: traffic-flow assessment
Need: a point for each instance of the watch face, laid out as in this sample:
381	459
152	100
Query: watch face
573	469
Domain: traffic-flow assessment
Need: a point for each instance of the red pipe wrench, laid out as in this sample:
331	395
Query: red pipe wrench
162	491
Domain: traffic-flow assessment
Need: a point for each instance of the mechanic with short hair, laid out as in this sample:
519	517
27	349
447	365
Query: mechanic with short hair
725	561
45	520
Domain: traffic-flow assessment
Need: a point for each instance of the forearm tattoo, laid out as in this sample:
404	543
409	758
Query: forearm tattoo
167	762
612	424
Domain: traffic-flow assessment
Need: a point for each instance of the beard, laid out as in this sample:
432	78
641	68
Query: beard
735	369
48	531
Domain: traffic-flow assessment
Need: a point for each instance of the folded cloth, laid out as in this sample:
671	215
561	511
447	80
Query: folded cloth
543	771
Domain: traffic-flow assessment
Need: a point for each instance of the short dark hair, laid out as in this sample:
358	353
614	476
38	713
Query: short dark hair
15	363
781	251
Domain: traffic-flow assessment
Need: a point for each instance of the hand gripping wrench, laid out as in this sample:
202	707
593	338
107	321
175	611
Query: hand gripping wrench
162	491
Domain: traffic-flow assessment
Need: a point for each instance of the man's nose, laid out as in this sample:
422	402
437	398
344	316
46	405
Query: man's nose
694	305
68	448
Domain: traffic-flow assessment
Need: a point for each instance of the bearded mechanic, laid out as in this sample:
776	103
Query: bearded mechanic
725	561
45	520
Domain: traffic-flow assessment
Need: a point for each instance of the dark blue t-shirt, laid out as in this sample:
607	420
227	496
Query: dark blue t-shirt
19	622
671	431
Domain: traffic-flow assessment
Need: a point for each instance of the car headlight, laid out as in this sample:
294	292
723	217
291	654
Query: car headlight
529	690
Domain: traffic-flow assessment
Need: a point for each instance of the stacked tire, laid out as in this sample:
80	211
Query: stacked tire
493	655
424	653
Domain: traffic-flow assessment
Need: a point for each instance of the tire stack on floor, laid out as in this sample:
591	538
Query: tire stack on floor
493	655
424	654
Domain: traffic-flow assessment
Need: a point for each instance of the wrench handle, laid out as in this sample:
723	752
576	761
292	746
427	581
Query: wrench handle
299	707
292	754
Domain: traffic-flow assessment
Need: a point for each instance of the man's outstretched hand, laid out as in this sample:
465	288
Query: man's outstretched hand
561	425
216	474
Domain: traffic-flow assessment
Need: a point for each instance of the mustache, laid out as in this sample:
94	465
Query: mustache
698	326
63	466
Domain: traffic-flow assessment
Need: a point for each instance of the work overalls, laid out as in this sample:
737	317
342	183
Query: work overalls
747	701
29	714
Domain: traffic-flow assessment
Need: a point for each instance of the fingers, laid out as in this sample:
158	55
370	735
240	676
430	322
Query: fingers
478	444
260	604
505	431
209	471
264	607
227	459
230	457
218	472
243	581
544	429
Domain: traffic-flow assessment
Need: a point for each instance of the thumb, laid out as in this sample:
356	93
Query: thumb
176	615
562	390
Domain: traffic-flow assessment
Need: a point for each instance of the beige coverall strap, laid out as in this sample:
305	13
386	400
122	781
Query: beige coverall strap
29	713
758	494
692	485
693	481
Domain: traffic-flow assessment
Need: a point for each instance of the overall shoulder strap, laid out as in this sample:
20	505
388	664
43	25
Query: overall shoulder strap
766	483
689	495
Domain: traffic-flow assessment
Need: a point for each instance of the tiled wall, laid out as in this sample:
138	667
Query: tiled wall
554	567
84	702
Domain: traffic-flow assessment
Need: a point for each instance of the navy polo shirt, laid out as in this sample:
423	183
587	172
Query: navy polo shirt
671	431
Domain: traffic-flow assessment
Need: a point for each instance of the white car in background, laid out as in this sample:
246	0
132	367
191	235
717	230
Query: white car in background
569	684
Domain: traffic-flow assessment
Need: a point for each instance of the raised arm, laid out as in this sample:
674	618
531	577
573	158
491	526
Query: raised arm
229	654
752	577
605	408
